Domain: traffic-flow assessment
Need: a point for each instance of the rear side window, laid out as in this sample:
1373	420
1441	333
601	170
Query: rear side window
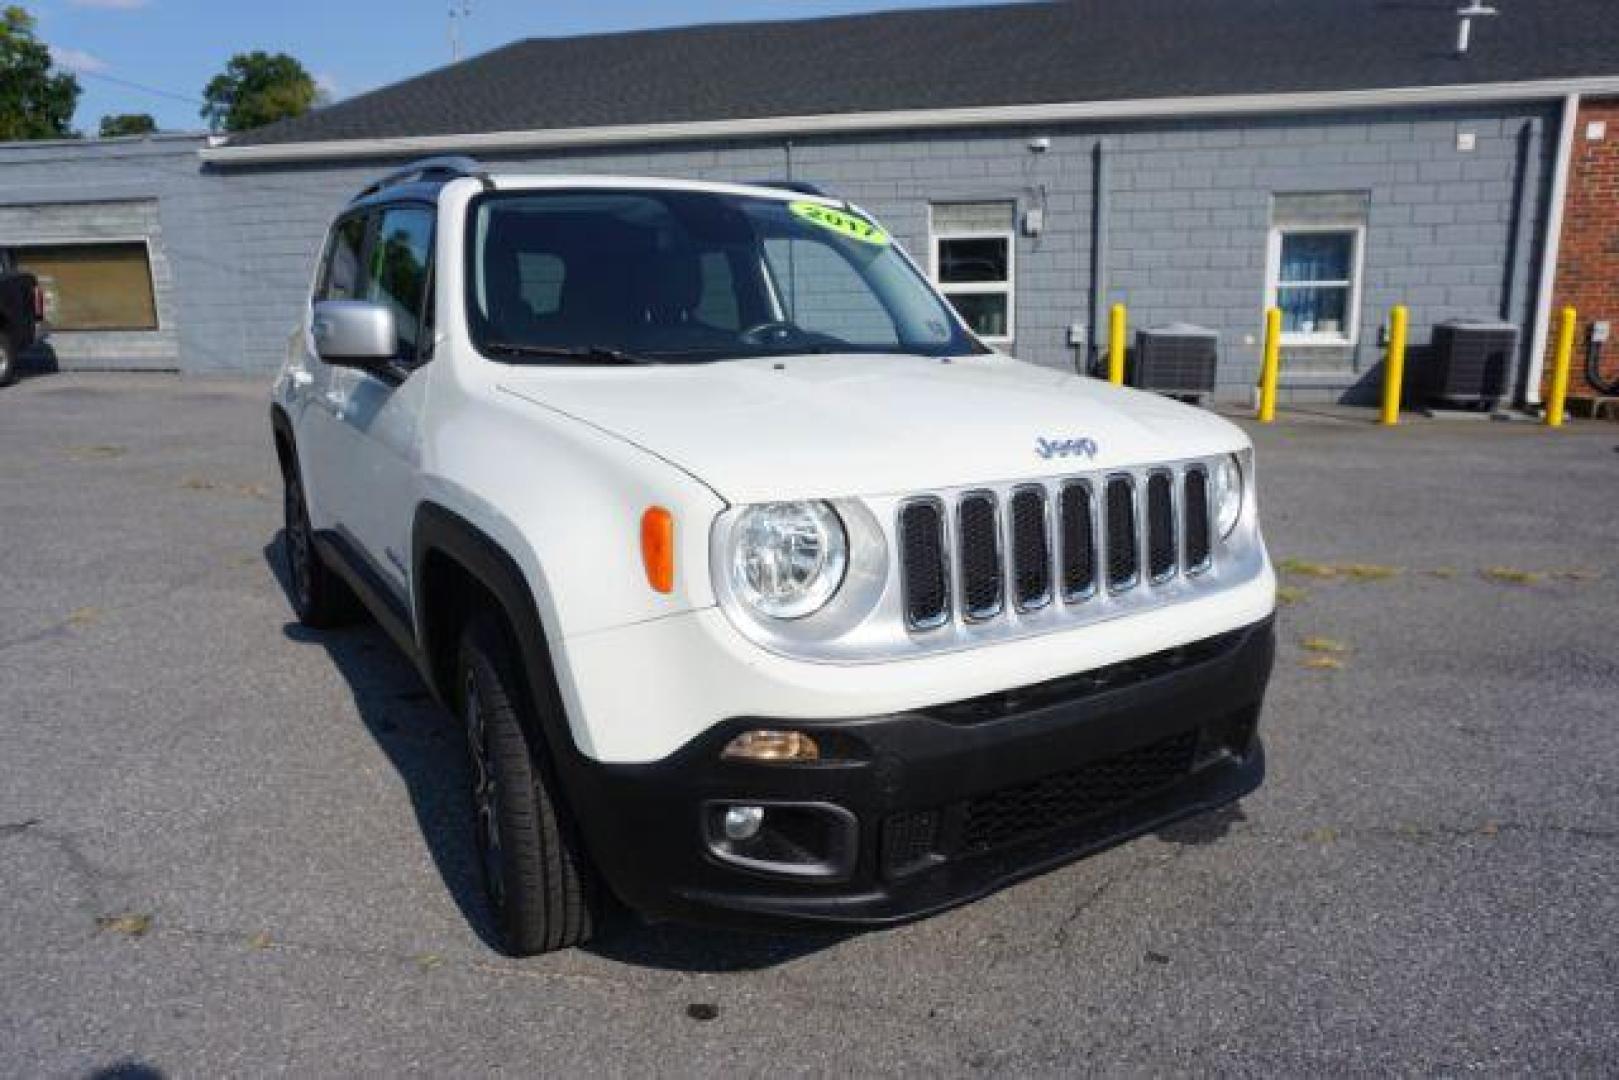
340	277
397	275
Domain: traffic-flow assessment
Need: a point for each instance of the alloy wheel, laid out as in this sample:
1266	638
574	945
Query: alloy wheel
298	545
484	795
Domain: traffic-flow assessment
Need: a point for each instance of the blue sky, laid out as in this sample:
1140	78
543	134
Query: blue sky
173	47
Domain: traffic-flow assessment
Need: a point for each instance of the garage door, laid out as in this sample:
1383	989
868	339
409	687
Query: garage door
100	286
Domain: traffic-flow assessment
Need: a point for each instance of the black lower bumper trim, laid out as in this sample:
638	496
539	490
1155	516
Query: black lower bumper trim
950	803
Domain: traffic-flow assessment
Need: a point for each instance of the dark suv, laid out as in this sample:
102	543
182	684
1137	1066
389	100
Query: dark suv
22	308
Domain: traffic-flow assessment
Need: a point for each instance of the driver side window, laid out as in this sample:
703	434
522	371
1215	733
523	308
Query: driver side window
340	278
398	273
822	294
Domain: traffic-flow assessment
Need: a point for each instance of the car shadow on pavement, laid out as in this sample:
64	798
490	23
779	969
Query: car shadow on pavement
423	742
703	949
419	738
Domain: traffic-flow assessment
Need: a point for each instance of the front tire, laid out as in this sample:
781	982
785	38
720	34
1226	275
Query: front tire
8	362
542	890
319	598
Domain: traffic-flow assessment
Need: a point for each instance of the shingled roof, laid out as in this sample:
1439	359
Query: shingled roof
1069	51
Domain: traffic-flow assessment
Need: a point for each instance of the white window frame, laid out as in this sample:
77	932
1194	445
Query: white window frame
1350	335
1008	288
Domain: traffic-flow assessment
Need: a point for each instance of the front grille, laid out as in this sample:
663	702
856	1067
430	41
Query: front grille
1031	548
1195	508
979	528
926	584
1023	554
1161	541
1123	547
1067	798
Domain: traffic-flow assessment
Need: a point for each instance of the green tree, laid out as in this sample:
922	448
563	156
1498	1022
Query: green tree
35	101
255	89
127	124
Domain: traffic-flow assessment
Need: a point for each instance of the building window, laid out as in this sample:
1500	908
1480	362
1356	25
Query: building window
1314	274
974	256
100	286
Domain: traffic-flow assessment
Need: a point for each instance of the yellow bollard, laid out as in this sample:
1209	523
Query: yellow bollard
1115	346
1273	366
1565	354
1394	366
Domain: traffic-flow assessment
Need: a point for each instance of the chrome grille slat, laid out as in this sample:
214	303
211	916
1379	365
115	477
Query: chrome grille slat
1014	555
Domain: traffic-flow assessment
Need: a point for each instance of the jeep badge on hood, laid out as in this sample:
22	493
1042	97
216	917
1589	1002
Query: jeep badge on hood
1052	448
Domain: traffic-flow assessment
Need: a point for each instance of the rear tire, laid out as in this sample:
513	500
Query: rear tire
541	888
319	597
8	362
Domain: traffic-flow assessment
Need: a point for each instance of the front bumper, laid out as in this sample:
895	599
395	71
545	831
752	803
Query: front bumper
947	803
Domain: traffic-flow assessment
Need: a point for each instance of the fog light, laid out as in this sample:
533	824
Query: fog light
743	822
771	746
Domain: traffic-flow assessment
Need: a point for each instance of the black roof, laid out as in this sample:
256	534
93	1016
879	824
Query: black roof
1015	54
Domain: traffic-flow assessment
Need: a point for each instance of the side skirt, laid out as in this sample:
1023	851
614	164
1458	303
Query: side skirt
379	596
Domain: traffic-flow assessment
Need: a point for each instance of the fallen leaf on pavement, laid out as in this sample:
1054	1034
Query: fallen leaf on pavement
1507	575
130	925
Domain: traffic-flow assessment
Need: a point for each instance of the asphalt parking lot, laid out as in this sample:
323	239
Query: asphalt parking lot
230	845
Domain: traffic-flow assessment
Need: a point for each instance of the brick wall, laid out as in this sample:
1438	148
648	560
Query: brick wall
1588	260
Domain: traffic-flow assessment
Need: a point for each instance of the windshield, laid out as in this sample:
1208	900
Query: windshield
691	276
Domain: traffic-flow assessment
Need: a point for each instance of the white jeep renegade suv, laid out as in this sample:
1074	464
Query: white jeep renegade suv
764	591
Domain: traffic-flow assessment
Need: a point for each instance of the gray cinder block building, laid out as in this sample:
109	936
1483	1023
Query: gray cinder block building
1196	161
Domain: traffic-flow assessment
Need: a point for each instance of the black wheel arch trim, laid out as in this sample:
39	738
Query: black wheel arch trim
281	428
441	531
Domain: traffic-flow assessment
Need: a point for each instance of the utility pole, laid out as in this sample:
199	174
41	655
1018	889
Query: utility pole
460	11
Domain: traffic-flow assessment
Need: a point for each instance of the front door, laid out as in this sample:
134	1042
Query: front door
320	390
382	413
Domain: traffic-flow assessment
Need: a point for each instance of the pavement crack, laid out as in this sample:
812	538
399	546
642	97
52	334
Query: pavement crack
1100	892
96	880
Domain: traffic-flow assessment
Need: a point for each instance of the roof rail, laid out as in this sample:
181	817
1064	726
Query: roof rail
803	187
434	168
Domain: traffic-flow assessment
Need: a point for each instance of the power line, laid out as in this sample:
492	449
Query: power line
189	100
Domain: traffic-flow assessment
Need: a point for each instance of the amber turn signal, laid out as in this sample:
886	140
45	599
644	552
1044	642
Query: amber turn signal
771	746
658	548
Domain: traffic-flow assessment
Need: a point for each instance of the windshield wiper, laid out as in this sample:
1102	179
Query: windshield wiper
598	354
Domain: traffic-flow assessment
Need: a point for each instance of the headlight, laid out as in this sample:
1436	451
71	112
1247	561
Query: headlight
787	559
1225	494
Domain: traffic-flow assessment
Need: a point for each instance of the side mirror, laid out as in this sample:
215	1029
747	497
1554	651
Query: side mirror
355	333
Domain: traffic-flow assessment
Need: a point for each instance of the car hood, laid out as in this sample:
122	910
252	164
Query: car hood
860	424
